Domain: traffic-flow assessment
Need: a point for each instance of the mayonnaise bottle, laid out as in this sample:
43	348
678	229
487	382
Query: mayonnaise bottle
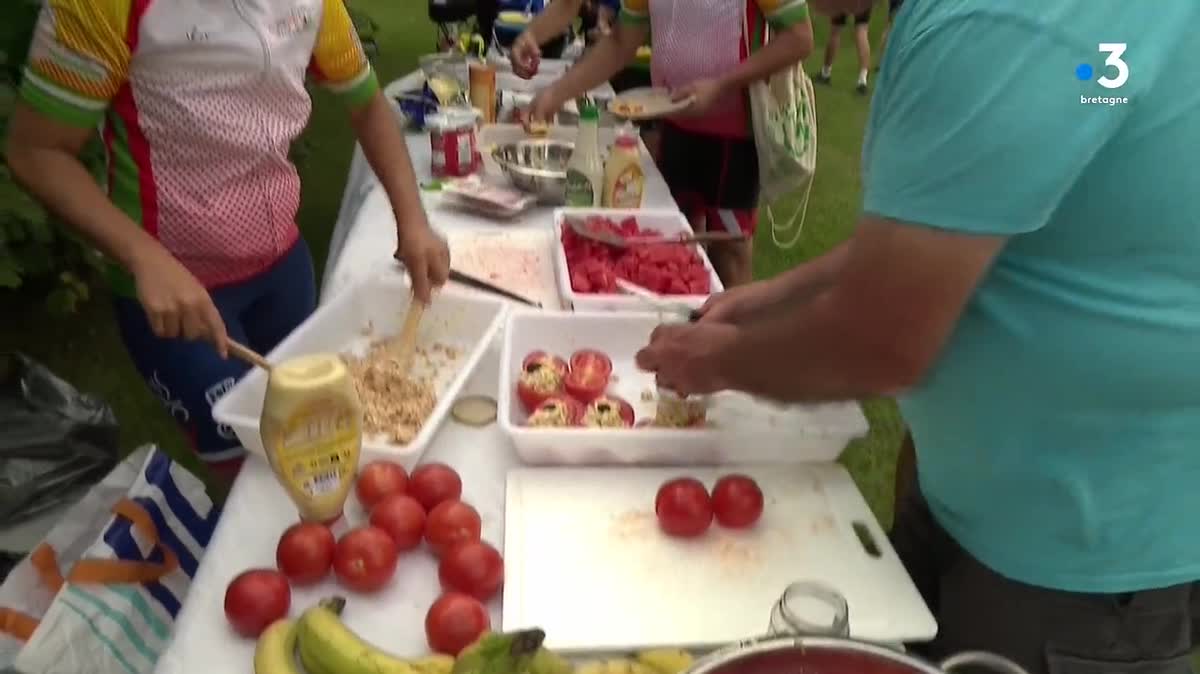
312	432
624	179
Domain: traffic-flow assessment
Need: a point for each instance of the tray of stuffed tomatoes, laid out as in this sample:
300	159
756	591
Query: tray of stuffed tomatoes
587	270
570	394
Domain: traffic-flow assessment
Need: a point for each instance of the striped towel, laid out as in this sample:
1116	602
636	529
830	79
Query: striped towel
116	570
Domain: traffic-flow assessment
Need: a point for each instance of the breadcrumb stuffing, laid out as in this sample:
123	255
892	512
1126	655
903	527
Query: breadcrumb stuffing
396	404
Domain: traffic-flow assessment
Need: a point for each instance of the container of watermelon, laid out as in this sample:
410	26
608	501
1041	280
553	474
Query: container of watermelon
587	270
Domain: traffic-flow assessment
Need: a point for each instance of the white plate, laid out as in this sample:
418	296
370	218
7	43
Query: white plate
369	310
645	103
743	429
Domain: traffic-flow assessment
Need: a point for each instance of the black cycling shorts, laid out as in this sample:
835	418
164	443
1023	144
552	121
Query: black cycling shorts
859	19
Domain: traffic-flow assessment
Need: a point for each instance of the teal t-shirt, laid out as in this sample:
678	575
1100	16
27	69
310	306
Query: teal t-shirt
1058	435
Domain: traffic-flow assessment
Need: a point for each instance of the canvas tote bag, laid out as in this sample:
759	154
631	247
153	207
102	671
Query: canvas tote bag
784	118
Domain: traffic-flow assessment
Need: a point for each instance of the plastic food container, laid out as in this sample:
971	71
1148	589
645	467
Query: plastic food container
741	428
669	223
372	309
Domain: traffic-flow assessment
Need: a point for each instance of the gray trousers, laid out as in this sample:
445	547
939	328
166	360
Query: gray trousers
1045	631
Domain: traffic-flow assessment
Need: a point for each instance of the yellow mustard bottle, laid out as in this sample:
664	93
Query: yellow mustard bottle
312	432
624	179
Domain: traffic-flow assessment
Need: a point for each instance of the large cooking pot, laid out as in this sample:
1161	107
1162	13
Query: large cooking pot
798	644
837	655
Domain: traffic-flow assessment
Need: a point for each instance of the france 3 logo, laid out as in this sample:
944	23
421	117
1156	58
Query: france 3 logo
1113	75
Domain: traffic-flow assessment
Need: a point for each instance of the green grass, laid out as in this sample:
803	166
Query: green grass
86	349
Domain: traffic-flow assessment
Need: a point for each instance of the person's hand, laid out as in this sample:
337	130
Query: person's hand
176	304
703	94
738	303
426	257
689	359
525	55
544	106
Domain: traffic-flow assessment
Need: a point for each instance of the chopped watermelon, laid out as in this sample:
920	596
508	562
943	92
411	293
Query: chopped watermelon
667	269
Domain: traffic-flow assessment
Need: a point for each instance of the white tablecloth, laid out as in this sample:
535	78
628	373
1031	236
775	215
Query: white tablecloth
258	510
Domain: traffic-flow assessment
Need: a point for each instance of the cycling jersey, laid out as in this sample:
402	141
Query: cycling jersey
678	27
199	102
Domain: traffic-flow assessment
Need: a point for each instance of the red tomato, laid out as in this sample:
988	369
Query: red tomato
402	517
585	385
592	360
624	409
365	559
535	361
255	599
683	508
432	483
305	552
474	568
378	480
454	622
737	501
542	358
573	411
451	523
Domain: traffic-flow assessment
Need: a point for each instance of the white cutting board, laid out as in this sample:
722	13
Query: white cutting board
586	561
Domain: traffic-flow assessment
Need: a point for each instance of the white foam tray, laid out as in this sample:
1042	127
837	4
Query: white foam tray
667	222
744	429
369	310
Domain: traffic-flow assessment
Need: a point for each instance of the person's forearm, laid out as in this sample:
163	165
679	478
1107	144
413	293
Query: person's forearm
554	20
386	152
785	48
825	349
815	275
61	182
600	63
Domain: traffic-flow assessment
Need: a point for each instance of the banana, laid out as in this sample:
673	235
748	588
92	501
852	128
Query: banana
275	652
327	646
639	668
618	666
433	664
666	660
546	661
592	667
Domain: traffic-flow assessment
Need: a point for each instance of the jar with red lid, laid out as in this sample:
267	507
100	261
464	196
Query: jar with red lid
454	152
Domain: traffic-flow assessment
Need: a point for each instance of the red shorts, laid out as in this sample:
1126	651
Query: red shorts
712	177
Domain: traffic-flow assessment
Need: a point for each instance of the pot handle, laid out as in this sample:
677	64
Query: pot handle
981	659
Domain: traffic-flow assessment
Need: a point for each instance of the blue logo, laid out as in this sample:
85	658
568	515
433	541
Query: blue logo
1084	72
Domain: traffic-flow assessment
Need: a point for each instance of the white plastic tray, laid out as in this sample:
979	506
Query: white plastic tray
370	310
667	222
744	429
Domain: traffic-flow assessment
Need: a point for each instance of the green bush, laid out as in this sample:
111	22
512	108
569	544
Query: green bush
37	256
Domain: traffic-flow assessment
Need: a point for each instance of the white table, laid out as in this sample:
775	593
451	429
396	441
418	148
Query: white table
258	510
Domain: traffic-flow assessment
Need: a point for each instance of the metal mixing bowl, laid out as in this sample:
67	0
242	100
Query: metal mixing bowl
537	166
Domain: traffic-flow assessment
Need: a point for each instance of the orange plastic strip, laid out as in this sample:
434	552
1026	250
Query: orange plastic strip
17	624
100	571
45	563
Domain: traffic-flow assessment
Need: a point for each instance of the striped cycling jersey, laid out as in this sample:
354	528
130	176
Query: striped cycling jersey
678	27
198	103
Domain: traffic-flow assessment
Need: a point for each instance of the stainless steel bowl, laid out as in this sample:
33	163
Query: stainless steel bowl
537	166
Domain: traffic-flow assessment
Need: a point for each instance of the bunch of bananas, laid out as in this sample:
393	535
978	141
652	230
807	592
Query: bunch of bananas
322	644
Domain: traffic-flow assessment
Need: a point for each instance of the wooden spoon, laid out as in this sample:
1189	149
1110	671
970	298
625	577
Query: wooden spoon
248	355
406	344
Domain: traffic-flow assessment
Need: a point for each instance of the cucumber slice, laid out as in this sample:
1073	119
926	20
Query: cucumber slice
477	411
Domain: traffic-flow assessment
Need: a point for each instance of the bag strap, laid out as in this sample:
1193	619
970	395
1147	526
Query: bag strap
44	561
801	213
